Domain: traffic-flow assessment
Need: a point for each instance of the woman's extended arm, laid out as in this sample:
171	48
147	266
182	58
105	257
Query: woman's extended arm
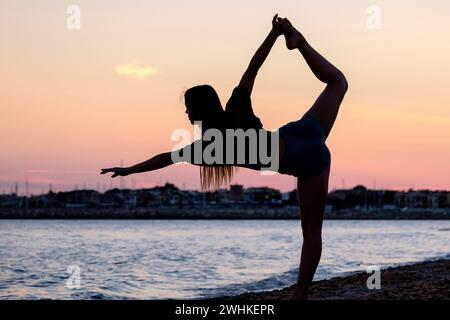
157	162
191	153
248	79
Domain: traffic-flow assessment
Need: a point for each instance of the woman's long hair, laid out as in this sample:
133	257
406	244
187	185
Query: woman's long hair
204	105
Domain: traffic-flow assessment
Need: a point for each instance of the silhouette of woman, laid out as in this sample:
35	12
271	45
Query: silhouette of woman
302	151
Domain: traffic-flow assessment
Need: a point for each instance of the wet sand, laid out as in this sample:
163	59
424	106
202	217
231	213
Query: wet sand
428	280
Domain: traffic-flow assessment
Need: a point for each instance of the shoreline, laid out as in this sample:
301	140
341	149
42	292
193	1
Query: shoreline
217	213
427	280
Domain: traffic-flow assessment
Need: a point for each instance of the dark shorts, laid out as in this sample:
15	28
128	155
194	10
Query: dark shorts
306	154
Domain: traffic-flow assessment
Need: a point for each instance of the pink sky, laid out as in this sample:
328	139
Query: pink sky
75	101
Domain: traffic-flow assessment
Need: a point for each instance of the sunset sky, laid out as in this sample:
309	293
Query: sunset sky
76	101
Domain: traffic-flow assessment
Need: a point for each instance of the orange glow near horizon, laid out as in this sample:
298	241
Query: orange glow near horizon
76	101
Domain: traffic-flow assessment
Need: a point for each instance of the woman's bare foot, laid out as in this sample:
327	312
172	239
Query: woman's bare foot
293	38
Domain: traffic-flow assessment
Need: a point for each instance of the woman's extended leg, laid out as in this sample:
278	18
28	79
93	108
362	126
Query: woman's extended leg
312	197
327	104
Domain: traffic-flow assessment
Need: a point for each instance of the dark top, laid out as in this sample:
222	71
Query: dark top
239	108
242	143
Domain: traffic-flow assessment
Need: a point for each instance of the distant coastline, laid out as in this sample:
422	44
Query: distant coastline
237	202
261	212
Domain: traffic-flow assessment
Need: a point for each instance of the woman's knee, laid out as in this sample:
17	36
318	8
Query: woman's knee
312	231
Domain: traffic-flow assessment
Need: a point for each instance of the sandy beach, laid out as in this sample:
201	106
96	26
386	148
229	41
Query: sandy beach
428	280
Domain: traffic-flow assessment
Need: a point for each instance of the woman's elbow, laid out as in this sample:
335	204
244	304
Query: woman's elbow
341	82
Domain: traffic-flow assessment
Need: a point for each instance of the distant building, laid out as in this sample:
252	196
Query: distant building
421	199
262	195
236	192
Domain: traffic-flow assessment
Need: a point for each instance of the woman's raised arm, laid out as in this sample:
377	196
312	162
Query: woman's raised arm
248	79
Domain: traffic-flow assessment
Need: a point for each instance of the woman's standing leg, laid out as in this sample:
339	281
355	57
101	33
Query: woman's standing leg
312	197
